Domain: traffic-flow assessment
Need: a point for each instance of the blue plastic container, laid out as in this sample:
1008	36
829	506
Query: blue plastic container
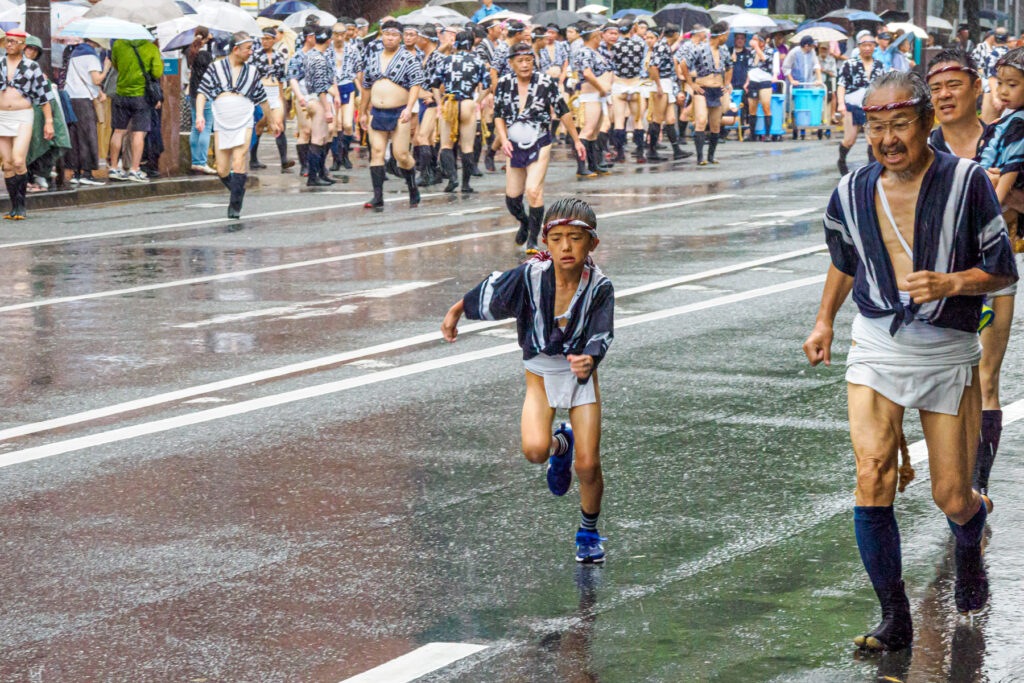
778	111
817	105
802	118
802	99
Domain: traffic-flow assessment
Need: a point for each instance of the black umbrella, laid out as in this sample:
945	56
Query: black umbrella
559	17
684	14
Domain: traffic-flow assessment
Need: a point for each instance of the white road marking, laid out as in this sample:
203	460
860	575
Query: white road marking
337	386
194	224
241	274
303	306
417	663
346	356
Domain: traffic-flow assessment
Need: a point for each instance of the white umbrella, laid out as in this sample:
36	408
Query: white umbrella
105	27
434	15
748	20
719	12
166	31
592	9
821	34
908	28
145	12
61	13
505	15
224	17
298	20
939	24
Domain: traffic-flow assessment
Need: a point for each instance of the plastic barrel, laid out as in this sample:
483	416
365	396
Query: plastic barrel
759	128
778	112
802	118
817	104
737	97
802	99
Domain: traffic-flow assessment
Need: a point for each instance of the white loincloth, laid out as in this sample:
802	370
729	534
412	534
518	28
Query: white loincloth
232	115
273	96
922	367
11	121
559	383
590	97
620	88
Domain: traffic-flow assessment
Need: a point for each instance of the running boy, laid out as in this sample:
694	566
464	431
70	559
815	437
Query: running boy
564	310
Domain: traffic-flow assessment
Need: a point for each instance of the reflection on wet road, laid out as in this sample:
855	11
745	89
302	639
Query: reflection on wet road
241	452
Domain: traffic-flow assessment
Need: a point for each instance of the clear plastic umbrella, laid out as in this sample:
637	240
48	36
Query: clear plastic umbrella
61	14
145	12
105	27
749	20
225	17
433	14
298	20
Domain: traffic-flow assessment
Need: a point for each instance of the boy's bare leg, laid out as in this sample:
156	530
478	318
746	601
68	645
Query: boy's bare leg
536	421
586	430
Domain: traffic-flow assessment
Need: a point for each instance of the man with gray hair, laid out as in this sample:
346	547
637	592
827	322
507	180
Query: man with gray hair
918	237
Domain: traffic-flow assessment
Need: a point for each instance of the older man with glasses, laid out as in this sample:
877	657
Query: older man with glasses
918	238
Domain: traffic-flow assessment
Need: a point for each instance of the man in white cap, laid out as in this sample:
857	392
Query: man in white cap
854	78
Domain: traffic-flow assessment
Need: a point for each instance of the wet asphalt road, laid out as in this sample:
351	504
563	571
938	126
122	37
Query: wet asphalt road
239	451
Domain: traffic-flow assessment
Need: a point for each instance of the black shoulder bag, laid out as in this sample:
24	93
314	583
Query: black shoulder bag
154	91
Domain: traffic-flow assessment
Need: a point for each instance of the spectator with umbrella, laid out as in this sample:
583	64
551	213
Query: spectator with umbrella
22	85
83	76
137	62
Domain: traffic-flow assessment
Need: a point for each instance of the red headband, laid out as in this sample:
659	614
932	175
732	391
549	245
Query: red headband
946	69
17	33
569	221
892	105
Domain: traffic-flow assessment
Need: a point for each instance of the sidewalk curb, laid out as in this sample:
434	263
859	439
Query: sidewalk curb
121	191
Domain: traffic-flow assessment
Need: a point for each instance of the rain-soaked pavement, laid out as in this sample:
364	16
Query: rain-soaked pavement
239	451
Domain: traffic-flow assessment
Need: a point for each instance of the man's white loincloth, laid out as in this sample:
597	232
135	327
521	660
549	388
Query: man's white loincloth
232	115
12	120
923	367
273	96
559	383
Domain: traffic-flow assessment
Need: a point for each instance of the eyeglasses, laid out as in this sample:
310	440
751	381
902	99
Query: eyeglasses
878	129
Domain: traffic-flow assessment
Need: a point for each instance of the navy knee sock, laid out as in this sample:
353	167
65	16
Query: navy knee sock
969	535
878	539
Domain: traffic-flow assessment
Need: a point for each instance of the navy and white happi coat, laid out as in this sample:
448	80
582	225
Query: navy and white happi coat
527	293
959	226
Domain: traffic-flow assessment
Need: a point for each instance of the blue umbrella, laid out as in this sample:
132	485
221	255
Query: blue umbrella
635	12
185	38
279	10
821	24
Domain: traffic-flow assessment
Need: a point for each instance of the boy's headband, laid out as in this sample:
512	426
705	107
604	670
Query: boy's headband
569	221
892	105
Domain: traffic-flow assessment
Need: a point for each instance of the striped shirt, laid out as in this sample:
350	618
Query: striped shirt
962	229
404	69
461	73
556	54
269	65
218	80
1003	143
527	293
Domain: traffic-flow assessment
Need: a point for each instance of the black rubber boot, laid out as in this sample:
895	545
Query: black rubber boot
515	207
336	164
302	151
410	182
673	137
346	146
322	166
254	162
9	182
419	164
712	145
17	188
377	178
653	133
682	130
581	164
638	143
619	142
391	166
282	151
478	148
896	630
594	157
602	152
448	169
535	221
314	165
237	194
225	180
467	172
971	588
843	167
489	160
698	144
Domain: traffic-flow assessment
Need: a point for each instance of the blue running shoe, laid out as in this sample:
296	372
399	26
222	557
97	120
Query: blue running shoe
560	468
588	547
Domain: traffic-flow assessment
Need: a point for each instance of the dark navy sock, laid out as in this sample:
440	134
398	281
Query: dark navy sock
992	427
588	522
878	539
969	535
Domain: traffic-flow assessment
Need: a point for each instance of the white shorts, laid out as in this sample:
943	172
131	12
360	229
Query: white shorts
668	85
646	88
922	367
559	383
273	96
590	97
233	119
623	89
11	121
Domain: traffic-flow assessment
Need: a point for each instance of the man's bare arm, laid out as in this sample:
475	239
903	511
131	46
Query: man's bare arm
818	346
924	286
